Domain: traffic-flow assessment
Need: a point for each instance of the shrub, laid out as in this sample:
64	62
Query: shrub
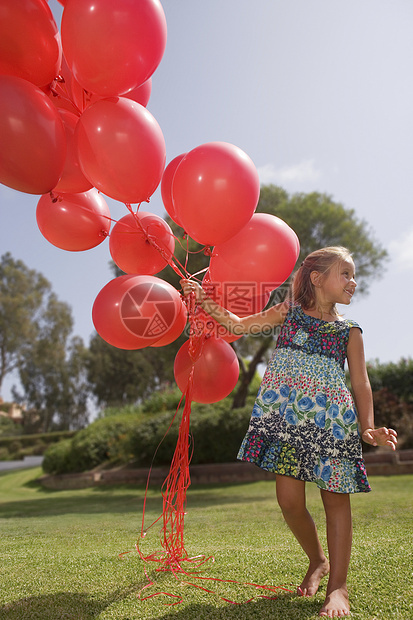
162	400
15	447
217	432
149	442
216	429
119	410
89	447
28	445
57	458
8	428
394	412
395	377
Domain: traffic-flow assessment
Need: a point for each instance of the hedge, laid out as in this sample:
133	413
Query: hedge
90	447
19	446
216	431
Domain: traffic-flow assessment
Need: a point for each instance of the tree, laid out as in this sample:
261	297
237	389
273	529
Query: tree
55	391
35	329
21	296
118	377
318	221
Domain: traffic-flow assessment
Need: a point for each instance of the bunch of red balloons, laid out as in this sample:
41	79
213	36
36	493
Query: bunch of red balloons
75	127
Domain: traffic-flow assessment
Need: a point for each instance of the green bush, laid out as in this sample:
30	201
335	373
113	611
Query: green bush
397	378
29	445
89	447
216	430
108	412
58	458
4	454
15	446
8	428
216	435
162	400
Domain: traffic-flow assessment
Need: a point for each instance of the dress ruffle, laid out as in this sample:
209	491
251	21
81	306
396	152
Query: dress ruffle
331	474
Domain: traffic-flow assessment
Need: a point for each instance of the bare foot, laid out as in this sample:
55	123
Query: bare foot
314	575
336	604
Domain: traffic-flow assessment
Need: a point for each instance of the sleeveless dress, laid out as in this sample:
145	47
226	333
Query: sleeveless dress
304	422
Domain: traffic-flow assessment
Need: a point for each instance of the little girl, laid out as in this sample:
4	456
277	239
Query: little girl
305	426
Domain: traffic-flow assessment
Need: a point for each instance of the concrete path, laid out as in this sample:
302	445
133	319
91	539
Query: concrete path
28	461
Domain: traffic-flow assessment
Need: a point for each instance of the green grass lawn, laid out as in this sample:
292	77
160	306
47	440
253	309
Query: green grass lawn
59	553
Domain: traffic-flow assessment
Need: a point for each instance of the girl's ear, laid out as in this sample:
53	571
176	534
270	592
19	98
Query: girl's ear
315	277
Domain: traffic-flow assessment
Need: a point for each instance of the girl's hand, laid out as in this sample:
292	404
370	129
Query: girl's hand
380	437
190	286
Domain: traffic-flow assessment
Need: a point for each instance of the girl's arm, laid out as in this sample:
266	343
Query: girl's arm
363	396
238	326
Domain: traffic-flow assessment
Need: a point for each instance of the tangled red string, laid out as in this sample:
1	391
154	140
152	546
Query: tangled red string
172	261
174	557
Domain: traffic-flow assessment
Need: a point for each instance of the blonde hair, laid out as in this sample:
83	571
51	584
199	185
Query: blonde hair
303	291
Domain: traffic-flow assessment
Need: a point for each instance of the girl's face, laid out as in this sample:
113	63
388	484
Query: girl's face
339	284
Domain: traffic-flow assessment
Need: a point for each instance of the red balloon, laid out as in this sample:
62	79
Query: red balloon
74	222
72	180
33	143
215	191
133	312
83	98
166	187
176	329
216	370
262	255
113	47
30	46
131	249
142	93
121	149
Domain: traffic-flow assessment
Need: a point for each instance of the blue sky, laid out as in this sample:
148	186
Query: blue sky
318	93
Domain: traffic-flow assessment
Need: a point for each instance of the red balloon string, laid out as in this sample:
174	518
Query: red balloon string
171	260
57	197
173	557
208	251
59	89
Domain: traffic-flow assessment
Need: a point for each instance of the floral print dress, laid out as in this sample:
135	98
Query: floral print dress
304	422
